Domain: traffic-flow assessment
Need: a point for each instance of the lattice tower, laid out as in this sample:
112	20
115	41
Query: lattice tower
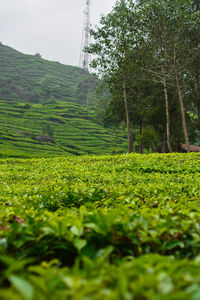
85	59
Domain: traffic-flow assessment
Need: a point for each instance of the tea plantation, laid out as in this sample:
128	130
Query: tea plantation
75	131
108	227
47	109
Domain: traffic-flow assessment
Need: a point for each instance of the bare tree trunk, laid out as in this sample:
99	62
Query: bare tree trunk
130	143
196	90
141	129
163	143
198	113
181	105
167	115
132	138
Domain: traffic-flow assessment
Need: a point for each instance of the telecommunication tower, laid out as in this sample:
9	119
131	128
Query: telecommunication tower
85	57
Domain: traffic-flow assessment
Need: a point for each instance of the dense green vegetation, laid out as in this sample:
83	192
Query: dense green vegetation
29	130
147	53
32	79
118	227
43	110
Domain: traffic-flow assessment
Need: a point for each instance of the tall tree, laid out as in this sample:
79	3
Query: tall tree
113	42
148	42
166	25
155	32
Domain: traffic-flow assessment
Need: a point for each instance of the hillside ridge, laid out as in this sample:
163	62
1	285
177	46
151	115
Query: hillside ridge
31	78
44	111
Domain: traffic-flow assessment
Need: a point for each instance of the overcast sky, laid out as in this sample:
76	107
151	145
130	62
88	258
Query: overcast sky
51	27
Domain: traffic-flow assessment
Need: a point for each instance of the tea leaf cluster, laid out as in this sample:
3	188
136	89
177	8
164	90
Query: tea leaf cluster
118	227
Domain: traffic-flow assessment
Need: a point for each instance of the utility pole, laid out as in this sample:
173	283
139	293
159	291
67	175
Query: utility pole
84	60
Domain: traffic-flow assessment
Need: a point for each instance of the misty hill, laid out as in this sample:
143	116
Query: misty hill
43	109
33	79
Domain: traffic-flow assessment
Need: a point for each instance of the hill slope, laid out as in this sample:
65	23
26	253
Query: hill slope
42	109
31	78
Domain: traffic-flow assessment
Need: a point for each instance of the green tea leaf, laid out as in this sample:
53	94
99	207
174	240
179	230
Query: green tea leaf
23	286
80	243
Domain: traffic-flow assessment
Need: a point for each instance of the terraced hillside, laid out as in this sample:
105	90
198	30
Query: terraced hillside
43	109
25	130
31	78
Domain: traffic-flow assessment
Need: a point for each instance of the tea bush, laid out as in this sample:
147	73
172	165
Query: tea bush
118	227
